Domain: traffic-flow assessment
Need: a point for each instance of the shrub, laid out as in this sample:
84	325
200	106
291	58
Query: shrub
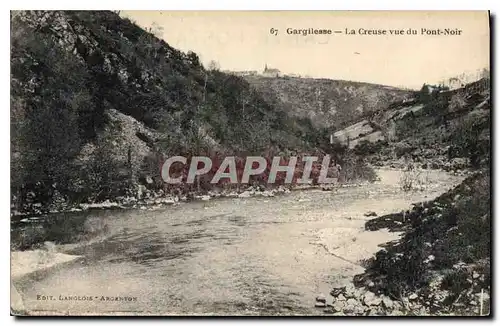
366	147
412	179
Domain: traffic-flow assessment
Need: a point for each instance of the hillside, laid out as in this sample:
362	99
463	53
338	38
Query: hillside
435	129
96	101
327	103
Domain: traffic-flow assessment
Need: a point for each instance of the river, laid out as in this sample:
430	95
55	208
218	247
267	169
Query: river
239	256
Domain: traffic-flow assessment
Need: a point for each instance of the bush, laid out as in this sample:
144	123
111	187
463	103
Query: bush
412	179
402	149
366	147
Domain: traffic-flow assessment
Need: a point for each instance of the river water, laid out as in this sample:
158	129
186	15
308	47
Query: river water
243	256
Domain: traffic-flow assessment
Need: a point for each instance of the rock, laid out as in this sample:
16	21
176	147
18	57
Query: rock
368	214
328	311
358	293
359	310
320	305
321	298
371	284
169	201
475	275
370	299
349	309
397	305
341	297
349	291
337	291
369	295
244	194
267	194
339	314
413	296
387	302
338	305
352	302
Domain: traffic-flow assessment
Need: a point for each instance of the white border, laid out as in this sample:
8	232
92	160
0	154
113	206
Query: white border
194	5
260	5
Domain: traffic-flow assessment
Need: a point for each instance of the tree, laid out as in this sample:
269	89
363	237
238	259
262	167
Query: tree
157	30
213	66
193	58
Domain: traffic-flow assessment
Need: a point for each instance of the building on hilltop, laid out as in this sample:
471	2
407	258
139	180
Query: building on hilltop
271	72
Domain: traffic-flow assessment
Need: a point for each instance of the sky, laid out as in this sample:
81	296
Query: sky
239	40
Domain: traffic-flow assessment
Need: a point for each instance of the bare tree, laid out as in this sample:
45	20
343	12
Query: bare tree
156	29
213	66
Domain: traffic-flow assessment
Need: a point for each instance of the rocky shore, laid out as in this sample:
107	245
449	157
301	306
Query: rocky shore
367	301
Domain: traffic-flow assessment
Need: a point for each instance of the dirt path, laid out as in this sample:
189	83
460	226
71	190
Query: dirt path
231	256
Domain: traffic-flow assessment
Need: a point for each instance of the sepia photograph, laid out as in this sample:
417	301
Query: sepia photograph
250	163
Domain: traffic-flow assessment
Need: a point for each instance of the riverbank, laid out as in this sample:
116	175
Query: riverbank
146	199
441	264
